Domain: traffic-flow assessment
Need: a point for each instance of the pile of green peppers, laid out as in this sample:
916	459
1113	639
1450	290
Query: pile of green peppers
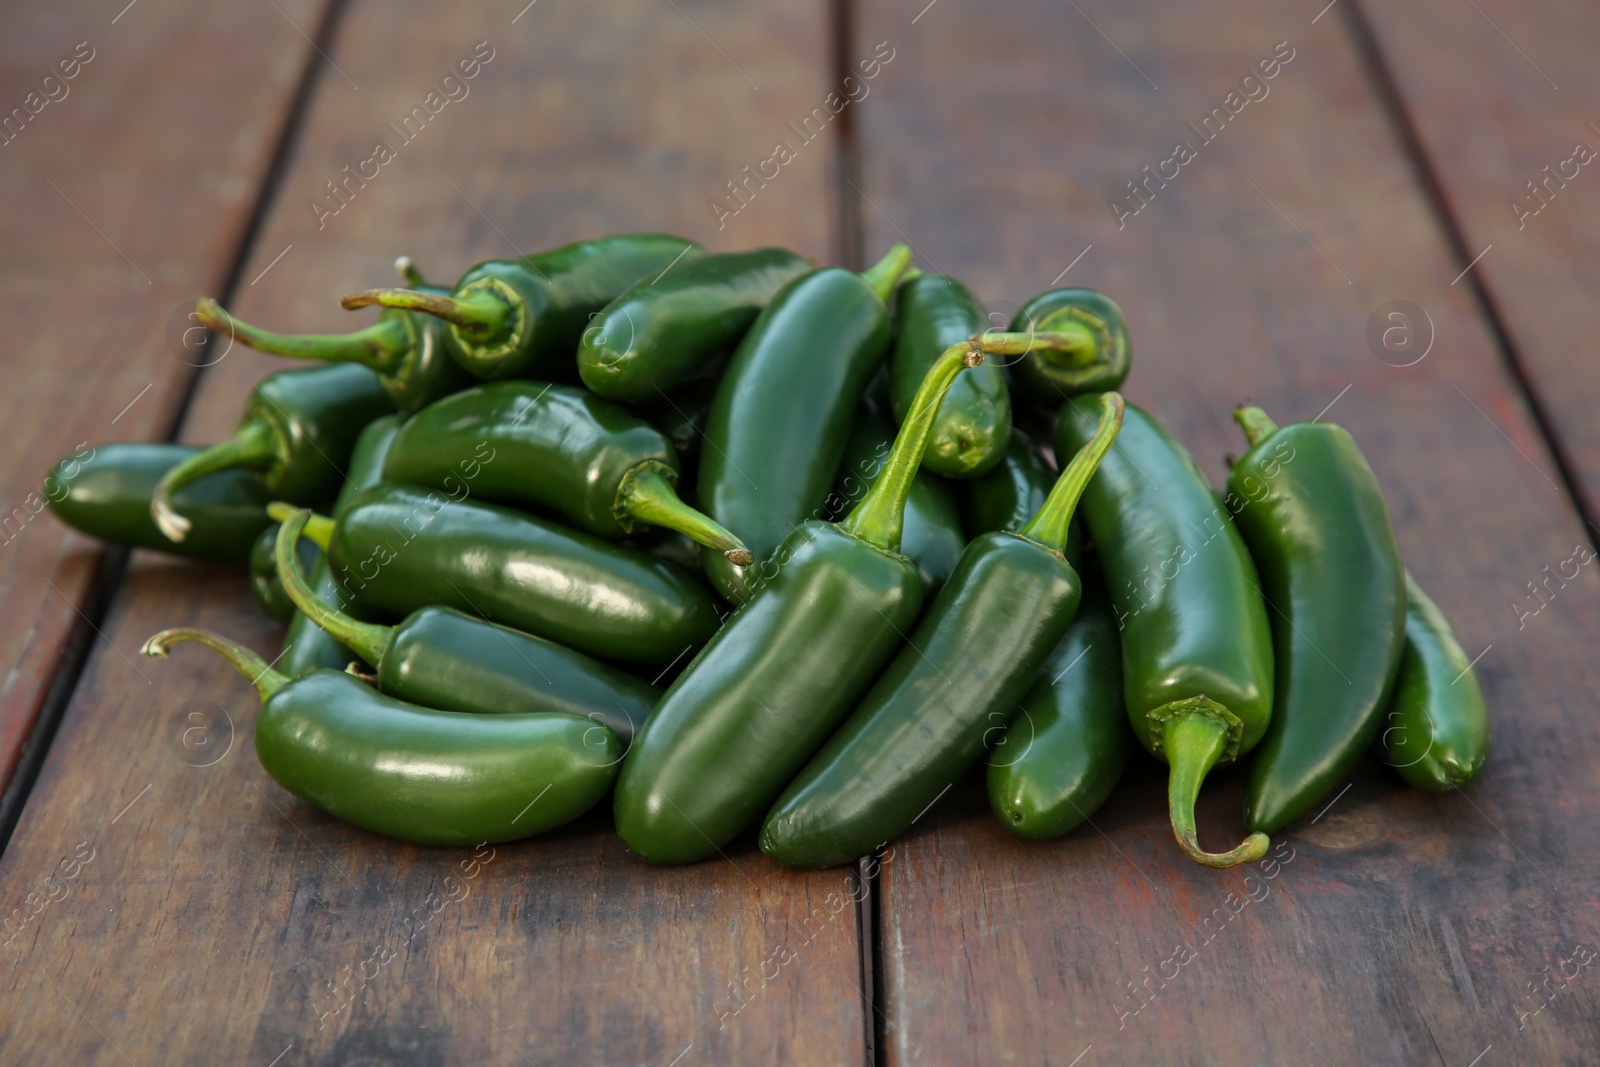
754	546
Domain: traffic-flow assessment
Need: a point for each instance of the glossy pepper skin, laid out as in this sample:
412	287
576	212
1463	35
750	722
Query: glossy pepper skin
297	431
1197	664
928	718
404	348
1066	748
306	646
398	549
932	313
511	318
769	687
1099	359
1313	517
106	494
1436	729
266	589
432	777
667	329
555	447
782	412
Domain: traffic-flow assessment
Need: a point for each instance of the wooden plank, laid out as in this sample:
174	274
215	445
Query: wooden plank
1406	928
1511	97
253	909
126	186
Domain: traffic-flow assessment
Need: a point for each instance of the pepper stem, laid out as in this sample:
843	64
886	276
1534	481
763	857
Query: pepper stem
364	639
1257	427
318	530
477	312
880	516
380	346
253	445
266	680
1050	526
1194	736
647	495
883	275
408	272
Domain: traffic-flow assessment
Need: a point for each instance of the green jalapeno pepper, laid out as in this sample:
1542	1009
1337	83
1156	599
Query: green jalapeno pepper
1067	746
1436	732
297	430
665	330
1311	513
1197	663
404	348
106	494
508	318
398	549
432	777
782	412
927	719
682	417
440	658
306	646
931	314
557	447
1011	493
266	589
1098	357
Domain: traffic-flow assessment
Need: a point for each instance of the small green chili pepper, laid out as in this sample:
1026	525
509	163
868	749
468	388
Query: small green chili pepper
665	330
398	549
306	647
1436	734
931	314
432	777
514	317
782	412
266	589
927	719
404	348
557	447
1197	661
1067	746
1311	513
297	430
440	658
1098	357
107	493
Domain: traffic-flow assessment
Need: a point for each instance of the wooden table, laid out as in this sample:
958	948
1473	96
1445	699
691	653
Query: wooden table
212	918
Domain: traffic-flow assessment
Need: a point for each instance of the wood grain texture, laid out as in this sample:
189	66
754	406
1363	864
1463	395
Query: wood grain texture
1406	928
123	194
1513	95
221	920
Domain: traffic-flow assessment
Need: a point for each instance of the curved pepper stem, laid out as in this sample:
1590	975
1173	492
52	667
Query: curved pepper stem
885	274
318	529
647	495
266	680
1193	738
1257	427
1050	526
254	445
362	638
480	312
381	346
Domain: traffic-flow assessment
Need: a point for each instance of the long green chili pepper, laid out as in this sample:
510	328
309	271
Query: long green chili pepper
665	330
404	348
509	318
1311	513
1436	733
398	549
974	424
440	658
433	777
1197	661
1067	746
297	430
1098	357
927	719
556	447
106	494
